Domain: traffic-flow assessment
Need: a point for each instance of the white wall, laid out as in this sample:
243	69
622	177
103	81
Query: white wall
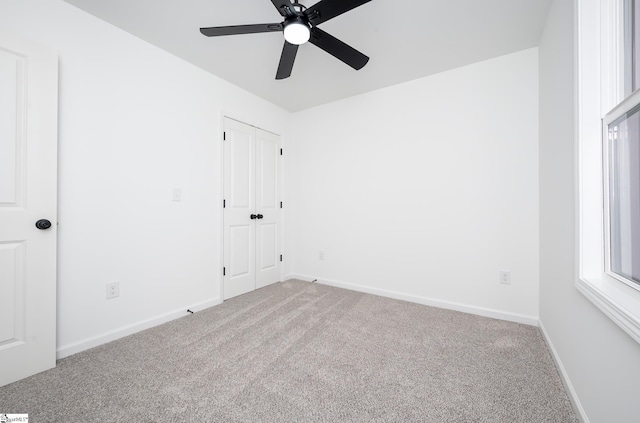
134	122
600	362
424	190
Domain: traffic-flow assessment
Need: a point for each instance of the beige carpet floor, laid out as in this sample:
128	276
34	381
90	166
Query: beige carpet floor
303	352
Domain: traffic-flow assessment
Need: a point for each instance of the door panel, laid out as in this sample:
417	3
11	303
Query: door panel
241	274
267	146
240	243
239	188
241	162
269	247
28	192
12	265
12	99
267	203
251	246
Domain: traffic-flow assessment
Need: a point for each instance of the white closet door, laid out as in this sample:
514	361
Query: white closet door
268	206
28	193
239	197
252	208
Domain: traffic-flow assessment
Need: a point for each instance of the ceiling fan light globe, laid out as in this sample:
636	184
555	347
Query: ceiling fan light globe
297	33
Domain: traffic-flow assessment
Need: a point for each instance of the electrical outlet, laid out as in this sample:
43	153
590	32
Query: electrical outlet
504	277
113	290
320	255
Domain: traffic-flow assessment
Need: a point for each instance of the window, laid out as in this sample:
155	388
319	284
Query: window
631	46
621	150
622	194
608	155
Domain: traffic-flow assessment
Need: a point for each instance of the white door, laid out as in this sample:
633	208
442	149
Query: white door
268	208
28	193
251	208
239	204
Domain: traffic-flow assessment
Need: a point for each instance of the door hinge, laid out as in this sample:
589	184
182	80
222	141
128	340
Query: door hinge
280	204
281	151
280	257
224	203
224	136
224	271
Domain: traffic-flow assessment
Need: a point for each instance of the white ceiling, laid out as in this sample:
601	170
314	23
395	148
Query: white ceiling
405	40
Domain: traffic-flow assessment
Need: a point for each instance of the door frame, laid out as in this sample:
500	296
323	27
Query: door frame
244	119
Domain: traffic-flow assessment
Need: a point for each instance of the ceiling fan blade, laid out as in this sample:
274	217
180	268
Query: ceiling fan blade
285	67
240	29
338	49
285	8
328	9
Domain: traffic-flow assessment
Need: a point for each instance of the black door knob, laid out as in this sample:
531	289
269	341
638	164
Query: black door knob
260	216
253	216
43	224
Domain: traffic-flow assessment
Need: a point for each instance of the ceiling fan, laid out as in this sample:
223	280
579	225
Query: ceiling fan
299	26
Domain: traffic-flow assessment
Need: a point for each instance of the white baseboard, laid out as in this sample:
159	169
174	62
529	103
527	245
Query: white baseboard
94	341
449	305
573	396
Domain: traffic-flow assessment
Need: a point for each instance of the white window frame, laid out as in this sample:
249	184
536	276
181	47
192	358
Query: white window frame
600	87
626	106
